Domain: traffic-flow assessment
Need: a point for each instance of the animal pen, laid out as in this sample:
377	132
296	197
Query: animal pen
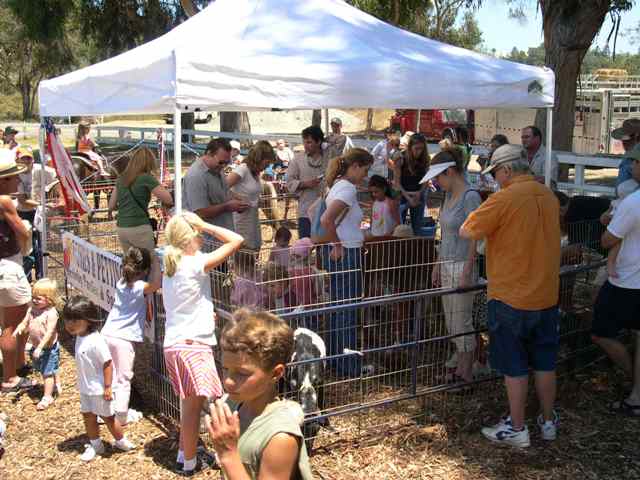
400	332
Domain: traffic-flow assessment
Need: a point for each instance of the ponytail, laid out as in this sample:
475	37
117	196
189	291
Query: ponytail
172	257
335	170
135	262
178	233
338	166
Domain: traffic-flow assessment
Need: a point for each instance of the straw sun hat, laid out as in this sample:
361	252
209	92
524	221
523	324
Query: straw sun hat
8	165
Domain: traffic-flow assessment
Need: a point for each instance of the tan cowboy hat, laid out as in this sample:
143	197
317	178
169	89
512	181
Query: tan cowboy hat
8	165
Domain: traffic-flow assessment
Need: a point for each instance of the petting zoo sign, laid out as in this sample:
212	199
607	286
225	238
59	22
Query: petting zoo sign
95	273
91	270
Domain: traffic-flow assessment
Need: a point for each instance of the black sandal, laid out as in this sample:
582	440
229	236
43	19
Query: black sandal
625	408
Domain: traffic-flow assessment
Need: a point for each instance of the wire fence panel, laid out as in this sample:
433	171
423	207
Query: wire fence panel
395	341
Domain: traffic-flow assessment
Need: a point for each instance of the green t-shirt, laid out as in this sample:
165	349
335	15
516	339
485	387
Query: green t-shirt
279	417
129	212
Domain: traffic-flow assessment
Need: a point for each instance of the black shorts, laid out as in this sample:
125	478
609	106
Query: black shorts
615	309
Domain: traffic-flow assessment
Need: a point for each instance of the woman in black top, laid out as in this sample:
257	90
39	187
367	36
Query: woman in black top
409	169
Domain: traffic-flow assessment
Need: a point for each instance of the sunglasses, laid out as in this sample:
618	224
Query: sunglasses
495	172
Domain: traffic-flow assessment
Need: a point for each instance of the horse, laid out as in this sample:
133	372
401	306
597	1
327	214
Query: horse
86	170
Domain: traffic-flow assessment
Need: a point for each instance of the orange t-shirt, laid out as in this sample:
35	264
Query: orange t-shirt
521	225
85	144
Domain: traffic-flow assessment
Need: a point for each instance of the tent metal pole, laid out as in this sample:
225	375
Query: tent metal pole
326	121
177	156
418	114
547	166
43	197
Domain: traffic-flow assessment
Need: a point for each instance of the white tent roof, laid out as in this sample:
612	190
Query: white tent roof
262	54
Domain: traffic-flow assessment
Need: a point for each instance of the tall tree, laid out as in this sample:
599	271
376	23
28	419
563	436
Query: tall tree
33	46
569	27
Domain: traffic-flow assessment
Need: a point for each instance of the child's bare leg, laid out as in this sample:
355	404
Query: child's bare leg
58	383
114	427
190	425
49	385
91	426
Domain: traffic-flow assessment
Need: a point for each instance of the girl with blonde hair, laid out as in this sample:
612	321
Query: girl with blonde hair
190	322
131	197
244	183
41	323
341	221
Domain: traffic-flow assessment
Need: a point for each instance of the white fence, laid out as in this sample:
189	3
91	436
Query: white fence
117	135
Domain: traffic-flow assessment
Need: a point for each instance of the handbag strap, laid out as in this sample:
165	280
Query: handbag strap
139	204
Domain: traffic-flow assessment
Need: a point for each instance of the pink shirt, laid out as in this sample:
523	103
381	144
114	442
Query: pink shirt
38	323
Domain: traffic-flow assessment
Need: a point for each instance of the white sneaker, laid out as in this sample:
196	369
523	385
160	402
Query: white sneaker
549	429
124	444
90	452
506	435
133	416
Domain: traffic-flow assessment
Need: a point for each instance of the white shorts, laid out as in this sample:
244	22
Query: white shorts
97	405
14	286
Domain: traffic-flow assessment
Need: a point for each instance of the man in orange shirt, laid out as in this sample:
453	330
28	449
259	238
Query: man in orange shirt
521	227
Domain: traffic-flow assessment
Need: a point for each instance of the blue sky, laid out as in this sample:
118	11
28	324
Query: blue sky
502	33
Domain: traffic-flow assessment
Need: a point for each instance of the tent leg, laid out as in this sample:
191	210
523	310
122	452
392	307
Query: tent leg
549	136
326	121
43	199
418	115
177	156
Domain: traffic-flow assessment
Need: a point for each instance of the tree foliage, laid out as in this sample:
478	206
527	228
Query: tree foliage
595	59
436	19
120	25
27	55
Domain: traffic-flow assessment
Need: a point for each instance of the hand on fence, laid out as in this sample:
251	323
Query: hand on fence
336	252
224	429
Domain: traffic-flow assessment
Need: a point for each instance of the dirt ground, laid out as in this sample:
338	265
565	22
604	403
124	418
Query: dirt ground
593	443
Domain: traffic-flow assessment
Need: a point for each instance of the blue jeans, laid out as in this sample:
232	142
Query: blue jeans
346	287
522	338
304	227
417	213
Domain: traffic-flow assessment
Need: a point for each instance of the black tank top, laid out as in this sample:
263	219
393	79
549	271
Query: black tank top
8	241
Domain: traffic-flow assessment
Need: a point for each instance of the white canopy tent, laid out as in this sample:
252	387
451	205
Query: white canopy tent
242	55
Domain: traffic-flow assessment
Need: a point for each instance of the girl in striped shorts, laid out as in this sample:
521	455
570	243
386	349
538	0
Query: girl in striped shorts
190	323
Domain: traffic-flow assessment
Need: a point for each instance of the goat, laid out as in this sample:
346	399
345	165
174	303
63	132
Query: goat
307	379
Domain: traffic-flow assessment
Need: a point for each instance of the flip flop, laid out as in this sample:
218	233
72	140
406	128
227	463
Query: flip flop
23	383
625	408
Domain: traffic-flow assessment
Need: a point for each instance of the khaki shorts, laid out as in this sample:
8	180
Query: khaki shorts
141	237
14	286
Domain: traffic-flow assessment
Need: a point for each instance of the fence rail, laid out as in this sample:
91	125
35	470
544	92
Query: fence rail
398	329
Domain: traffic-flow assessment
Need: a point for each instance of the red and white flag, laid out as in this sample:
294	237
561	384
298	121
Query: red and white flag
74	195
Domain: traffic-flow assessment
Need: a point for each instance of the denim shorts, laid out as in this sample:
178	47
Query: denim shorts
49	361
519	339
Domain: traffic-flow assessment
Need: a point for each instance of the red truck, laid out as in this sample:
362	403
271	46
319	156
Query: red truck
436	124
